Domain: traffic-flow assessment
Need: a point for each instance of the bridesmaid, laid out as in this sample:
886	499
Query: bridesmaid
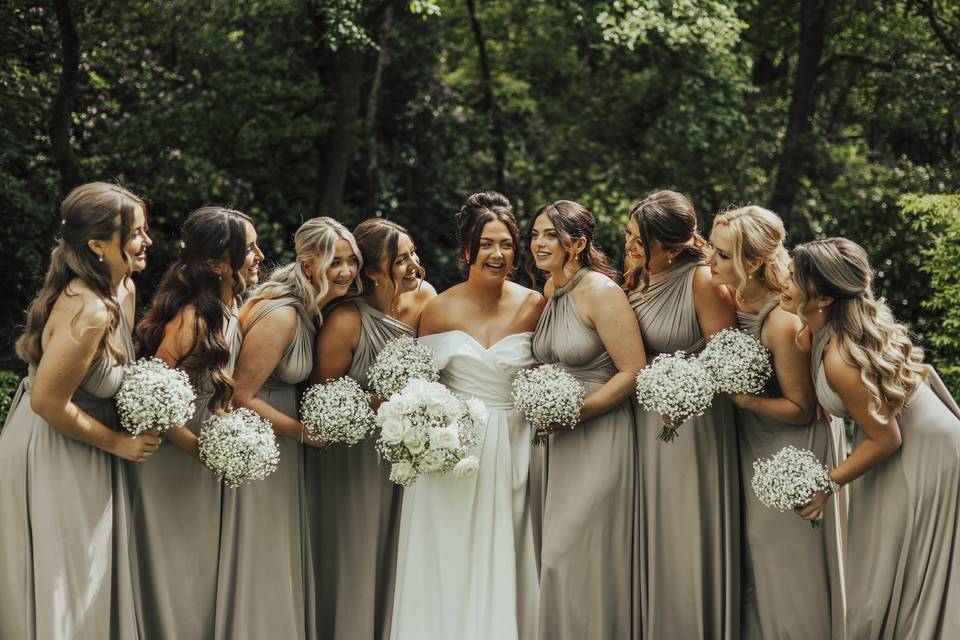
690	488
64	570
903	558
748	258
588	474
192	325
266	574
357	507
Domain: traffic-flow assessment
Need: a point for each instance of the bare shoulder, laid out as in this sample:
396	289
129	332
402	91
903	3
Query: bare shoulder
439	311
601	289
424	293
842	376
342	319
529	303
82	307
283	317
781	329
703	284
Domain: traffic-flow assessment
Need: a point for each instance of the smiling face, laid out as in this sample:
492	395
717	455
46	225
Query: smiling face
496	253
634	253
340	274
548	252
135	248
792	298
404	270
250	271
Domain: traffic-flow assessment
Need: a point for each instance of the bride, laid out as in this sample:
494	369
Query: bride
466	566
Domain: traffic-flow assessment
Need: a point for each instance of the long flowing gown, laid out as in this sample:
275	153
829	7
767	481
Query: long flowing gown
355	513
465	563
175	548
903	550
811	603
64	529
265	573
587	485
689	488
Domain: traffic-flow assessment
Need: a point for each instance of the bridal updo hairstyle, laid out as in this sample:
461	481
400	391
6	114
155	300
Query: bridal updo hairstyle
869	337
316	238
378	240
209	234
480	209
758	234
93	211
573	221
668	217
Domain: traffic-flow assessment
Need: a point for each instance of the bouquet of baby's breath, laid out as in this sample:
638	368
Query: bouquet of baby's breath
425	428
337	411
154	396
239	447
401	360
676	387
547	395
789	478
737	362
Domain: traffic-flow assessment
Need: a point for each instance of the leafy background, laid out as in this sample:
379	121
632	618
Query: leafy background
839	115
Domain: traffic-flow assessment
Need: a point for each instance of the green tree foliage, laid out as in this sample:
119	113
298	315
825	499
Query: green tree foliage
937	219
288	109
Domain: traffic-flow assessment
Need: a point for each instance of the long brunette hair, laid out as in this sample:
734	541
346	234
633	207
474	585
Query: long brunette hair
92	211
668	217
209	234
572	221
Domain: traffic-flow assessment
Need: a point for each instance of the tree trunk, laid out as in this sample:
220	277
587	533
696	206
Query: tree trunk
798	142
60	121
340	144
486	83
373	162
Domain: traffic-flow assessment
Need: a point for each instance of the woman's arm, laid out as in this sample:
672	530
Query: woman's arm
610	313
335	344
69	350
791	365
713	304
882	438
178	337
263	347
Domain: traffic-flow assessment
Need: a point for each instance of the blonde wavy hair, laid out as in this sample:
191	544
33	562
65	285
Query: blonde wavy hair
315	238
891	367
758	234
92	211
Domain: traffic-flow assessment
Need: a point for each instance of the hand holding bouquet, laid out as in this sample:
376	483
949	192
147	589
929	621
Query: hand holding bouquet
676	387
239	447
789	478
547	395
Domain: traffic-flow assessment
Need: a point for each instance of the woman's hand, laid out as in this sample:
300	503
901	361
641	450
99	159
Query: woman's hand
813	509
742	400
136	448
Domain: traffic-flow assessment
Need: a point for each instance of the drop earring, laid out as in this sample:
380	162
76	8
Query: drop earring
100	257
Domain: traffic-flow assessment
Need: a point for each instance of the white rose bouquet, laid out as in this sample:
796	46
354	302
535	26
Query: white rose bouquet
789	478
154	396
425	428
676	387
337	411
401	360
737	362
547	395
239	447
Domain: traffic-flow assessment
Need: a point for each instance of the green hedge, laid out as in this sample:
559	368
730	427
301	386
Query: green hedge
938	218
9	381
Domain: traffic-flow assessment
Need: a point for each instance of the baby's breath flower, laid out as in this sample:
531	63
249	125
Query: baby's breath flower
789	478
154	396
401	360
547	395
676	387
337	411
737	362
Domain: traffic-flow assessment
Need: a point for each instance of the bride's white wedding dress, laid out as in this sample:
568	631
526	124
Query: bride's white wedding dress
465	565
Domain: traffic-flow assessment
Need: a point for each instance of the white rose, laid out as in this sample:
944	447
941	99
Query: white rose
446	438
467	468
432	461
415	440
392	431
402	473
478	411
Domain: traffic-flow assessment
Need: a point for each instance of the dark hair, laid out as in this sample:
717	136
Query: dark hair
668	217
479	210
572	221
92	211
209	234
378	240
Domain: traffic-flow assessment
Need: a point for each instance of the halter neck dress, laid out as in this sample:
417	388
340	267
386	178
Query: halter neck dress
811	603
64	526
355	512
903	551
265	574
689	488
587	480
